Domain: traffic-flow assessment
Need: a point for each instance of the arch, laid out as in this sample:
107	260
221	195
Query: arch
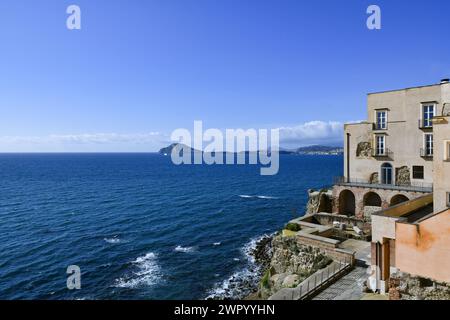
325	204
372	199
347	203
386	174
397	199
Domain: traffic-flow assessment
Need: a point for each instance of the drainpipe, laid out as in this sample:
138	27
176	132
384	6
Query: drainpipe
348	157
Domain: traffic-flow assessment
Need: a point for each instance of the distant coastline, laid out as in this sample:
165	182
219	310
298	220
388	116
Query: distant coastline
308	150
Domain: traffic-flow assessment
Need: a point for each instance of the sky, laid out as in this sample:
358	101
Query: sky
137	70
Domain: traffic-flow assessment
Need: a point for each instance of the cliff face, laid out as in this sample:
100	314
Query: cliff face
291	263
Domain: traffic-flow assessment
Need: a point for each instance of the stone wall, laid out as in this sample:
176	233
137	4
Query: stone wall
319	201
386	196
403	286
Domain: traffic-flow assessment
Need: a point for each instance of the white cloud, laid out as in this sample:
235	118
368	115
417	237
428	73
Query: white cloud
309	133
314	132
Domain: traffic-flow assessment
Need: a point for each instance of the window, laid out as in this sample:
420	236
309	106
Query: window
418	172
386	173
448	199
381	120
427	115
380	145
428	144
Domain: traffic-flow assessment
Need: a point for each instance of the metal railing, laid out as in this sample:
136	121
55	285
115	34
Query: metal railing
386	153
352	182
378	126
425	124
426	153
316	282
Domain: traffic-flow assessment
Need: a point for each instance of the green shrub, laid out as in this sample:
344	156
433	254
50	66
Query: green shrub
265	279
292	227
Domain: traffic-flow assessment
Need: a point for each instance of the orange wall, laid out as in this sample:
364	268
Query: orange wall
424	249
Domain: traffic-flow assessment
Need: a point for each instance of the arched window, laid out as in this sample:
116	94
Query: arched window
386	173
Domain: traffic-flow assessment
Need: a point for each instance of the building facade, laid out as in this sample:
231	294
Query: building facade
389	159
414	237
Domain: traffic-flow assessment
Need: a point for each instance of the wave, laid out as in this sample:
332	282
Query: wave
185	249
242	282
148	273
113	240
217	243
258	197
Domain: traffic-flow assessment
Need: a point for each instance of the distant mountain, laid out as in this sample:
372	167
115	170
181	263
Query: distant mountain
309	150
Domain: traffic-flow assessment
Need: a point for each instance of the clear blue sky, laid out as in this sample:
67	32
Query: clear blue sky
139	69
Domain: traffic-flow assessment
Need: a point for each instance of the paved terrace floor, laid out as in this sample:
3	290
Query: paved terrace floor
350	286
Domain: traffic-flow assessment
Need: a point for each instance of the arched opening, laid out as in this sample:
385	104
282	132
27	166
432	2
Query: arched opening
397	199
347	203
325	204
372	199
386	173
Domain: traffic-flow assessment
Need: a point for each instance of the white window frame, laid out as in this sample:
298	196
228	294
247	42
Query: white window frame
385	119
377	148
422	114
425	144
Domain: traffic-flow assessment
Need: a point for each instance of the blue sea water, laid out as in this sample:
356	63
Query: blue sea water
138	226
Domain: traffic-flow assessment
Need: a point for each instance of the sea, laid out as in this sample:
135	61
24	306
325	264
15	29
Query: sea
139	227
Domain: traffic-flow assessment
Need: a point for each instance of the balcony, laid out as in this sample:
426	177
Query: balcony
386	153
425	124
426	153
360	183
379	126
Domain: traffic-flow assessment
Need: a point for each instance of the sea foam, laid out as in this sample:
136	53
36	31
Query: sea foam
147	273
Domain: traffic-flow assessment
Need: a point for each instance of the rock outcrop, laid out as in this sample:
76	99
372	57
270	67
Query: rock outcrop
291	263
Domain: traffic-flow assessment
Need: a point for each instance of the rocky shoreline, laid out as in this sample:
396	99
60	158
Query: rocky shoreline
245	283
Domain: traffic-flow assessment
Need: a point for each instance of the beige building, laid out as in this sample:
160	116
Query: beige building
414	237
393	157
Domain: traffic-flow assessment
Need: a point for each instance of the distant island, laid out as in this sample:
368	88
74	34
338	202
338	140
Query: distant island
309	150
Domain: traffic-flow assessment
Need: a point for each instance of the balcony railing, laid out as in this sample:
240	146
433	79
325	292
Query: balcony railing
379	126
352	182
386	153
425	124
426	153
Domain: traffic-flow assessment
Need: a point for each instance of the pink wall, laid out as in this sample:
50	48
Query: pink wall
424	249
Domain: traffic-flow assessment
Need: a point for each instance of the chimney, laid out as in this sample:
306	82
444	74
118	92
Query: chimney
445	81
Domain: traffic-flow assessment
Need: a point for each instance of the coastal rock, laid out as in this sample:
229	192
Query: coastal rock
291	263
291	281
